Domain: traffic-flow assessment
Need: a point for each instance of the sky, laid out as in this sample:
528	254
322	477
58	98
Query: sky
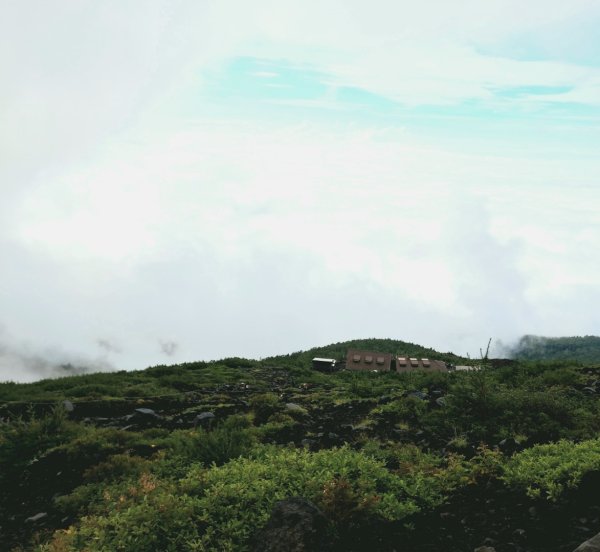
184	180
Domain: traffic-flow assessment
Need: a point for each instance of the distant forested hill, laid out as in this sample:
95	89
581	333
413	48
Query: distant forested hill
534	347
339	350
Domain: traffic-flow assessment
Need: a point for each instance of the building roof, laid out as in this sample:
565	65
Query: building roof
317	359
368	360
407	364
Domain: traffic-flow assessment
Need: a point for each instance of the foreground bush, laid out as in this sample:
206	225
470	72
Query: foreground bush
548	470
221	507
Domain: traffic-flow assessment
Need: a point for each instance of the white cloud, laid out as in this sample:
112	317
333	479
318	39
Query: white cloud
331	215
133	210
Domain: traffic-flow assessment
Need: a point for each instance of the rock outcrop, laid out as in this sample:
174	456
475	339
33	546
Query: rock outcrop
295	525
591	545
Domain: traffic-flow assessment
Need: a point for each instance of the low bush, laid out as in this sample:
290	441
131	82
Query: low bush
264	406
230	439
549	470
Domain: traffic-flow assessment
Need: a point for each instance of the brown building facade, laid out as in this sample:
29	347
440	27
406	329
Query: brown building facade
368	361
408	364
384	362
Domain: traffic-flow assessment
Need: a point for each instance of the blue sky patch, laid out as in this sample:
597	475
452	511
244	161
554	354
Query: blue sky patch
257	79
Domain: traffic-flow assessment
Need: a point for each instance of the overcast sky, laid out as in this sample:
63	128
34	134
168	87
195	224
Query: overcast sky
185	180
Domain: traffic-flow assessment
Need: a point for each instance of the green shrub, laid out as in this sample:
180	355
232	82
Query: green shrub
157	520
281	427
22	442
92	391
548	470
409	409
230	439
117	466
238	497
264	406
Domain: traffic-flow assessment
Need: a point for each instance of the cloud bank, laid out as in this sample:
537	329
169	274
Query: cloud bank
288	177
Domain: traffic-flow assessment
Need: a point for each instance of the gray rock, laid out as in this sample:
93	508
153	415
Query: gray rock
36	518
589	390
293	407
359	428
485	549
440	401
204	419
146	412
68	406
295	525
591	545
144	417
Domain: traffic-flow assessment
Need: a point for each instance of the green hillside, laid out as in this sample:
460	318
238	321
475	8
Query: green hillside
582	349
193	376
338	351
209	456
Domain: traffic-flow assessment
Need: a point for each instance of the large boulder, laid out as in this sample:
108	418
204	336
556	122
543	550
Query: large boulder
295	525
68	406
293	408
591	545
143	417
204	419
36	518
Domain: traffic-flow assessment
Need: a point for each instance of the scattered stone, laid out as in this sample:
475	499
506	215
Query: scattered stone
362	427
141	416
68	406
485	549
532	511
147	412
293	407
419	395
591	545
295	525
204	419
36	518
